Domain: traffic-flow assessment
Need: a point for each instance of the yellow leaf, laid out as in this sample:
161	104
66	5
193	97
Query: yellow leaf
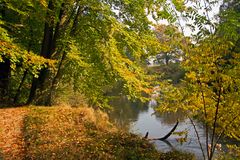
44	3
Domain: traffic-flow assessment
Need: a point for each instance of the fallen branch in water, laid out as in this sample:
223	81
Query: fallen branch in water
166	136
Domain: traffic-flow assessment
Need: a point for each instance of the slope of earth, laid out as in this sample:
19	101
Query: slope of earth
50	133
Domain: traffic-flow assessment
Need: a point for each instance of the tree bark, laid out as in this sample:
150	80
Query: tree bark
49	42
4	79
15	100
64	54
4	66
166	136
169	133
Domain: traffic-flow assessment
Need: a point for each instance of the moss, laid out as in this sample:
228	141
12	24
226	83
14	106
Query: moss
82	133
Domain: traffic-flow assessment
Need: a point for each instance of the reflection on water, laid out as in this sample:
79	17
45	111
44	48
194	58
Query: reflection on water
140	118
124	112
171	118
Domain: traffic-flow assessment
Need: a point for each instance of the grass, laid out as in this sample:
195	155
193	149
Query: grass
83	133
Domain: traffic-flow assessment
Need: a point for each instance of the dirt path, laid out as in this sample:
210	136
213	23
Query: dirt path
11	137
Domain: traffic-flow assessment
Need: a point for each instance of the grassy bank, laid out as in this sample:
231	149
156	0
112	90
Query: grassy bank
82	133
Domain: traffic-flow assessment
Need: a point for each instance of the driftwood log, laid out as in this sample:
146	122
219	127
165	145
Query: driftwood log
164	137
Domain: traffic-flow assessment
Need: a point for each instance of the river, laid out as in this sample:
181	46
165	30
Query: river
140	118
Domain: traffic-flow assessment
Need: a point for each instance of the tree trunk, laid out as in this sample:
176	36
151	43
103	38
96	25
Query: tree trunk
57	76
4	79
46	51
49	47
169	133
4	67
15	100
54	81
166	136
18	92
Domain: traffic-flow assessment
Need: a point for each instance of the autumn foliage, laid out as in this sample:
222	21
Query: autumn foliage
71	133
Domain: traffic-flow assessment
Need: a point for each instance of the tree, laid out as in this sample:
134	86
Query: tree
95	45
210	91
173	43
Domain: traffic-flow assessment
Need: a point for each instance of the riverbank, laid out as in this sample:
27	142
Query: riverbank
71	133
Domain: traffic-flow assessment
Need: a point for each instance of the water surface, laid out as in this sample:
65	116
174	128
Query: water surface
140	118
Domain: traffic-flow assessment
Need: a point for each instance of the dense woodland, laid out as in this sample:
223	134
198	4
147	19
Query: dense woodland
79	52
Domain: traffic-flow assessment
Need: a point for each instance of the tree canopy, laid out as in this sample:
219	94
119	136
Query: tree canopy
91	45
